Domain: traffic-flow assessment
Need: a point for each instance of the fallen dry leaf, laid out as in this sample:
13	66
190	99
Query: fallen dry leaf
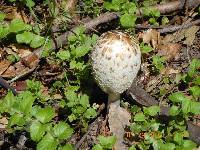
3	122
30	60
187	34
118	119
151	36
190	35
13	13
4	64
170	51
10	72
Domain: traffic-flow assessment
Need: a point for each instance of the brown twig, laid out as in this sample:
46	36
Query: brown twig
174	6
178	27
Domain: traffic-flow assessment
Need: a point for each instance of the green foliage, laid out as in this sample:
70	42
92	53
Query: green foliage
158	62
80	107
22	33
105	143
26	114
127	9
145	48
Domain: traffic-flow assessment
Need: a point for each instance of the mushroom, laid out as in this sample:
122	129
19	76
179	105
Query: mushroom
116	60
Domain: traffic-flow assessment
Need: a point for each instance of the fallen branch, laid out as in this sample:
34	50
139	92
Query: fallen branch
170	28
172	6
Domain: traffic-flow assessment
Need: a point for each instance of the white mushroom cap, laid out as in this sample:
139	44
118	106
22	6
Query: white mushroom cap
116	60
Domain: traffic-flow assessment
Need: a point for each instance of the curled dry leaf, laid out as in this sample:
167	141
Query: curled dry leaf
151	36
118	119
170	51
4	64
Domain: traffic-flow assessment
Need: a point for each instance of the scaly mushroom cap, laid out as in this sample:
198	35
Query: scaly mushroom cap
116	60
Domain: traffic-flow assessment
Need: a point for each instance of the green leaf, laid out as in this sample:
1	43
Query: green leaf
34	86
195	108
84	100
153	21
45	114
77	65
145	48
174	110
72	38
79	30
111	6
135	108
30	3
139	117
37	41
195	91
155	13
97	147
186	106
2	16
194	65
167	146
152	110
90	113
177	97
9	100
18	25
178	137
165	20
129	7
16	119
25	37
67	147
107	142
63	55
197	80
158	62
128	20
37	131
26	100
189	145
135	128
62	130
81	51
47	143
4	31
132	148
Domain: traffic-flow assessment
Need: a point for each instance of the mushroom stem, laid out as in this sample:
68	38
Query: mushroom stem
114	98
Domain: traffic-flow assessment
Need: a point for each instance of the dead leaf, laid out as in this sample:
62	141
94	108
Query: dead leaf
13	13
10	72
190	35
30	60
23	53
187	34
151	36
4	64
169	71
170	51
3	122
118	119
20	68
20	86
